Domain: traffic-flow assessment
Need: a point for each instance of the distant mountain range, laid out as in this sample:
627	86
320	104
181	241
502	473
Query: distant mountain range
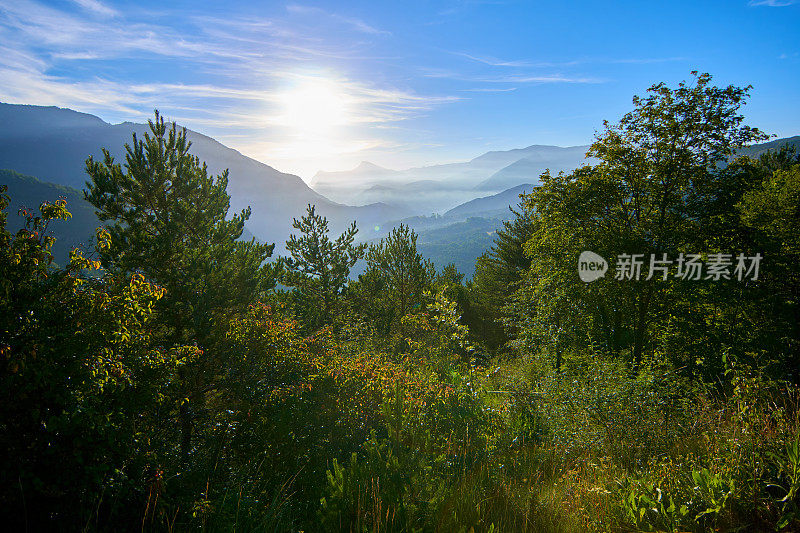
490	205
757	149
52	144
463	233
438	188
28	192
455	207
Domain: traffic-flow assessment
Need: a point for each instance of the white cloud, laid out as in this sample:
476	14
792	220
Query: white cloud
72	36
355	23
240	67
97	7
513	79
548	78
773	3
490	90
648	60
493	61
531	72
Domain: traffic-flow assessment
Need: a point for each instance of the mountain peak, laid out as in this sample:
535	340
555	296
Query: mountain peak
366	166
363	170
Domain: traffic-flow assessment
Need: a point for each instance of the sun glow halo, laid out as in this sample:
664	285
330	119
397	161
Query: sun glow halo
314	106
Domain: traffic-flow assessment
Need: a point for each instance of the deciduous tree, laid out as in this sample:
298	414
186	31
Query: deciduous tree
634	201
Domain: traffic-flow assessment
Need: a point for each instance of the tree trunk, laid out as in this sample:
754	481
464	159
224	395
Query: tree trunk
640	330
186	429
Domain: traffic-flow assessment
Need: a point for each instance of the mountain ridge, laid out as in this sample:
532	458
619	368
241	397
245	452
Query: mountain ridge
449	184
69	137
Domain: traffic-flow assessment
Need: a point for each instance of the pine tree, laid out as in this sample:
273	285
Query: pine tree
395	278
498	273
167	221
318	266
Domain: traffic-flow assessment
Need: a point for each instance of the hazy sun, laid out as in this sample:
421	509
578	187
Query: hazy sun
314	106
318	115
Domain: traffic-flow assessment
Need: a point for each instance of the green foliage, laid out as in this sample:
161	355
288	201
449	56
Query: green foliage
459	243
394	281
713	492
498	273
167	220
636	200
404	481
369	495
649	509
28	192
319	267
174	390
770	212
83	388
790	472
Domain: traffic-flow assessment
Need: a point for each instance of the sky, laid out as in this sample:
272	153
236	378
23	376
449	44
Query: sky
314	86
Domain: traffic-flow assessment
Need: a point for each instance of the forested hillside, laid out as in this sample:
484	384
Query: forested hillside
177	377
26	193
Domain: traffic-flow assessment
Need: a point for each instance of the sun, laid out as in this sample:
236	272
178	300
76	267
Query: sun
319	118
313	107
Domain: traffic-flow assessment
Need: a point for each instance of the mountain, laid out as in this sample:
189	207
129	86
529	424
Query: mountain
437	188
28	192
526	170
758	149
536	159
52	144
365	171
460	243
494	205
461	234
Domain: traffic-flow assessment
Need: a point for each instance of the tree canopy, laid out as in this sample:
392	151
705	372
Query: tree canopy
318	266
642	197
167	219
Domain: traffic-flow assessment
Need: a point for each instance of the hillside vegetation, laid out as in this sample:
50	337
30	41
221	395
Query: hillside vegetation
177	377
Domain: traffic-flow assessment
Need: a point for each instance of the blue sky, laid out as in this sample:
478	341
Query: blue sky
323	85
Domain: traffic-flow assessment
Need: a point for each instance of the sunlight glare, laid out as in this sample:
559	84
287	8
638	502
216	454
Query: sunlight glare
315	106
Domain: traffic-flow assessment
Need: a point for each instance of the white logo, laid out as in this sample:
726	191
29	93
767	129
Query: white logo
691	267
591	266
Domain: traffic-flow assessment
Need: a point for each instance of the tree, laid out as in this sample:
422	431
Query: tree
167	220
81	383
771	213
395	279
636	200
319	267
550	308
451	282
498	273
